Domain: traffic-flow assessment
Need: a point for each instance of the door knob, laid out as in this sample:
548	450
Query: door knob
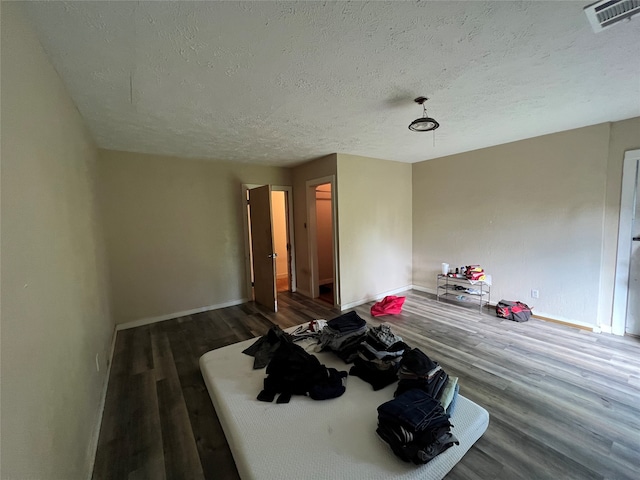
272	255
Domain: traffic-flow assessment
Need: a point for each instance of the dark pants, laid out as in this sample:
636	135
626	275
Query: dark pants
415	426
414	409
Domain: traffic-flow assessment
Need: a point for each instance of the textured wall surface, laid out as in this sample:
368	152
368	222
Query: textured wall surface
174	231
530	212
55	314
374	221
281	82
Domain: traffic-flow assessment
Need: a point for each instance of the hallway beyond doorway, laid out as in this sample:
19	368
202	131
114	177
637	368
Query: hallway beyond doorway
326	293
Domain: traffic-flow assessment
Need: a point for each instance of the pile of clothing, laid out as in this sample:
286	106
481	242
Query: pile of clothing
263	349
475	273
342	335
449	395
378	357
418	371
415	426
415	423
308	330
293	371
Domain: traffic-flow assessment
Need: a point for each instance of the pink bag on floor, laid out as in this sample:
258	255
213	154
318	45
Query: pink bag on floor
390	305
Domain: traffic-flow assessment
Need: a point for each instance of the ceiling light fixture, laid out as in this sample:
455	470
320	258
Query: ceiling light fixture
425	123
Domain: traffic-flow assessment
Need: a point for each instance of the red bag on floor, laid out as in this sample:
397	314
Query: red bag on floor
390	305
516	311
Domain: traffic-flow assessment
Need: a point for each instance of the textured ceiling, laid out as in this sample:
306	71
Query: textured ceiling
283	82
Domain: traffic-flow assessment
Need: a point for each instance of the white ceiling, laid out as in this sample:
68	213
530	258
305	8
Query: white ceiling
283	82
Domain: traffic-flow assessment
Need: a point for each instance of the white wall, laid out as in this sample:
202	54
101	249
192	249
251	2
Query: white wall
55	316
530	212
375	228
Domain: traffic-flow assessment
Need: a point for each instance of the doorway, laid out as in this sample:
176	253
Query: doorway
626	297
274	271
281	241
322	239
324	242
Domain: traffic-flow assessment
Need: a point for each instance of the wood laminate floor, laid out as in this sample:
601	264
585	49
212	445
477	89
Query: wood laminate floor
564	403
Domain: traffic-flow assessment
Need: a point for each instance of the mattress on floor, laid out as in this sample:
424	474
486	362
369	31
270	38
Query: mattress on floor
317	439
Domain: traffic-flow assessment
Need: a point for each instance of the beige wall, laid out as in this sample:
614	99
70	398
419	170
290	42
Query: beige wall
174	231
530	212
322	167
374	222
55	315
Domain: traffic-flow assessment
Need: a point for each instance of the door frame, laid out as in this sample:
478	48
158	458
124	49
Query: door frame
310	186
630	169
245	226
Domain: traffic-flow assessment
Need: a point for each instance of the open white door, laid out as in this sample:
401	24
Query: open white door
264	257
633	302
626	297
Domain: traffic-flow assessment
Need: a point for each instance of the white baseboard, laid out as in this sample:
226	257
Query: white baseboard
162	318
541	316
603	329
567	321
423	289
306	293
103	397
375	297
618	330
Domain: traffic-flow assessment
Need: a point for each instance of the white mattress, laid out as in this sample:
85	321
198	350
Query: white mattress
308	439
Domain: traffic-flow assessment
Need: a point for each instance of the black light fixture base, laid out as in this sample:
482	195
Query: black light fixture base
426	123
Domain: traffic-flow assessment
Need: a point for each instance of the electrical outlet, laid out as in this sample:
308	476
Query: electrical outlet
97	362
535	293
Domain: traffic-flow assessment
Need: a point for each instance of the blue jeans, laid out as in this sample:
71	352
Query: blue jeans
413	409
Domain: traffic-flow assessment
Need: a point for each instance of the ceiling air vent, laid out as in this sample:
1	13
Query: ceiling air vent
605	13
